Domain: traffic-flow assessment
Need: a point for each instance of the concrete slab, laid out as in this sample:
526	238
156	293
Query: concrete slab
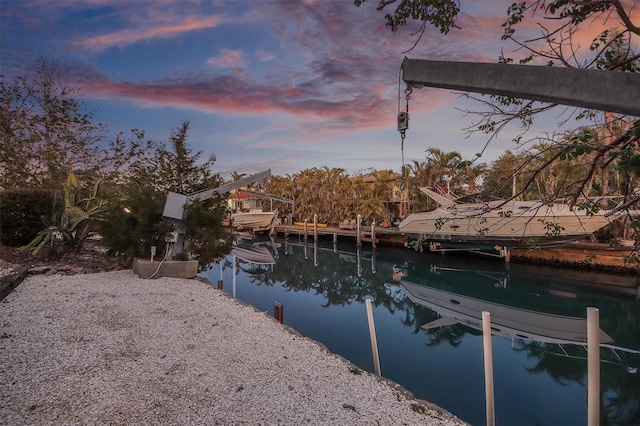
144	268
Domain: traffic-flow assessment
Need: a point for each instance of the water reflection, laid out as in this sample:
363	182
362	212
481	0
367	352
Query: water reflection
429	307
547	327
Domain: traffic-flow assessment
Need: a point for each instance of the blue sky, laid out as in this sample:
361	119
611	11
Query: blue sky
280	84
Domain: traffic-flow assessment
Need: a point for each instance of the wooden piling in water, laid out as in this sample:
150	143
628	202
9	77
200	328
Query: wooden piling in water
593	366
373	235
278	312
372	336
488	368
315	227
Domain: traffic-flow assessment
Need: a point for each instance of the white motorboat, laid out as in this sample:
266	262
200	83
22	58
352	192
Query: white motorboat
255	220
501	222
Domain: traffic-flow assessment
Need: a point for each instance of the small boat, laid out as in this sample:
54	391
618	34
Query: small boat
491	221
255	220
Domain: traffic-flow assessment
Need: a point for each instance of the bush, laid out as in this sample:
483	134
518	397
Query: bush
134	223
21	211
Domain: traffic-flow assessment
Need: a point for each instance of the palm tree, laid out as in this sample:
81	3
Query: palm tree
443	164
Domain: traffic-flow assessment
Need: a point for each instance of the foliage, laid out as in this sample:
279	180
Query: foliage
334	196
439	13
79	218
133	223
20	213
175	168
45	130
207	238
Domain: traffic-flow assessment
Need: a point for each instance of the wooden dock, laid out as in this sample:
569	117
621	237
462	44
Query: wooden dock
363	234
597	255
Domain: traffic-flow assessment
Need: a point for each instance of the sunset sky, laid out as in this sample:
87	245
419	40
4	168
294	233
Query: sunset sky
280	84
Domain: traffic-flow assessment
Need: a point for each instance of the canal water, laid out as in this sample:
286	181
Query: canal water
427	312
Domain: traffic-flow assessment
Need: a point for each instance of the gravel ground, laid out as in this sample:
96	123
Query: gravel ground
110	348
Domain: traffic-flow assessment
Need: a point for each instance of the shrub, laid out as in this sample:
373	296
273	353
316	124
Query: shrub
134	223
21	213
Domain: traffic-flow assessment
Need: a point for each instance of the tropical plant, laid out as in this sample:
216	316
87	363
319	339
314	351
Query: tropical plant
79	219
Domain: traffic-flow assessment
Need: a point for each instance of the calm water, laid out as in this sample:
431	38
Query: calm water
427	310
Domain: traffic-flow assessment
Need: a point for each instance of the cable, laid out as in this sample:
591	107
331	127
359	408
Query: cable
168	251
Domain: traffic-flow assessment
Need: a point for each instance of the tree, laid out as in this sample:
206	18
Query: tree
134	224
176	168
45	131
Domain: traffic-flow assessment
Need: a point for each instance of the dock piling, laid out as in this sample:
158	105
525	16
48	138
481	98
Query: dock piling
372	335
278	312
373	235
488	367
593	366
315	227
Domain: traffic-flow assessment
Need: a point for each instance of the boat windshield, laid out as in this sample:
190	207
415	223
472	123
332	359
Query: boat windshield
477	198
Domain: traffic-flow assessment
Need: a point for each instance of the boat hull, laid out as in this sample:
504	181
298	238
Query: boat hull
256	220
515	224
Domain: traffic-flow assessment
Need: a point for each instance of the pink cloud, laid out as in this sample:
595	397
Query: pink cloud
228	58
130	36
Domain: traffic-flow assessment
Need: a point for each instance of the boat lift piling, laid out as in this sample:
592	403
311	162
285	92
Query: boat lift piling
372	335
315	227
593	366
488	368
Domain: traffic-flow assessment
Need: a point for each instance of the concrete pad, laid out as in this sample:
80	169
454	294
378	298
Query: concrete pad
169	268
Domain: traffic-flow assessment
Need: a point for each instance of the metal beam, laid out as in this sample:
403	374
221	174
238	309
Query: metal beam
265	195
610	91
226	188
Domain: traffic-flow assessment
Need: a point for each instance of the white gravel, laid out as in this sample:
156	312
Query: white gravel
111	348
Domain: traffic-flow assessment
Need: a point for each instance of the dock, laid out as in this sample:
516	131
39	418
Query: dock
583	253
373	235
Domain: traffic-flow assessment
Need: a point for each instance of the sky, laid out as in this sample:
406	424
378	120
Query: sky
280	84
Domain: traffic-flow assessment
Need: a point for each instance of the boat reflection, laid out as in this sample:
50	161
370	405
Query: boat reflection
253	253
460	296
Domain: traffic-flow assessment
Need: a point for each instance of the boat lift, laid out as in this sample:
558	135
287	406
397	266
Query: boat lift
174	206
609	91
